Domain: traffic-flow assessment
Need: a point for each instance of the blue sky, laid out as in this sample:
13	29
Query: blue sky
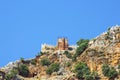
26	24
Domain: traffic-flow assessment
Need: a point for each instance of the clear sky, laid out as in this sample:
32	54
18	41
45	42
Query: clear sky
26	24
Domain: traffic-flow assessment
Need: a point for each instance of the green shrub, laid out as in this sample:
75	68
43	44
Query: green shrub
39	54
23	70
92	76
82	41
8	77
109	29
95	75
112	73
45	62
105	70
119	66
21	59
74	58
12	74
82	45
68	54
108	71
33	62
54	67
119	72
119	69
67	64
89	77
81	70
49	71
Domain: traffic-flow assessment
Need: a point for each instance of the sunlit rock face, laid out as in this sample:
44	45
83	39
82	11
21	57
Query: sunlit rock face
104	49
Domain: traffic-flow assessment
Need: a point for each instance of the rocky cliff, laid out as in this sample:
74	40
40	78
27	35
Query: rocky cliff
104	49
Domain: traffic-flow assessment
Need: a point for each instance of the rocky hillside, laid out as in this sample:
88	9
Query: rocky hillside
96	59
104	49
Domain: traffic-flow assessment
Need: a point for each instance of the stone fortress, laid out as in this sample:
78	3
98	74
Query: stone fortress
62	45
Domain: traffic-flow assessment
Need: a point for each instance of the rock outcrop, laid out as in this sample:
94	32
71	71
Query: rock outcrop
104	49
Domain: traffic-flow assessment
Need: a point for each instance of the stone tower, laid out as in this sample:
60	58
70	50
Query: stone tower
62	44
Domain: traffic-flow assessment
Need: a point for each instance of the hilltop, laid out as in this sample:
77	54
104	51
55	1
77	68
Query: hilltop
95	59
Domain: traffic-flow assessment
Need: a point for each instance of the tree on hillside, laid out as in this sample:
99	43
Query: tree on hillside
45	62
68	55
23	70
108	71
39	54
54	67
81	41
33	61
22	59
82	45
83	72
